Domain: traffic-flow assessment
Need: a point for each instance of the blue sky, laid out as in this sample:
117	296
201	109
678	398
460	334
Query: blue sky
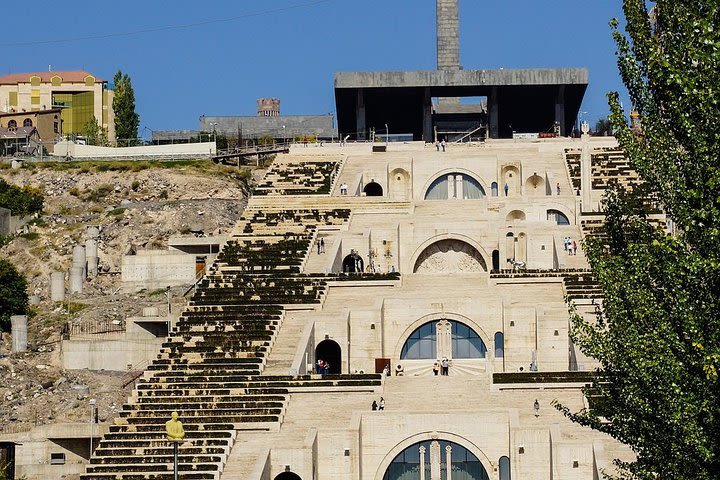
221	68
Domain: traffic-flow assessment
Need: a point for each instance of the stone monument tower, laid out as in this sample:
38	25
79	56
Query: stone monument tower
448	35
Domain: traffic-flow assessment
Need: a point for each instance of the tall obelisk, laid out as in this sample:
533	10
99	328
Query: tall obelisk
448	35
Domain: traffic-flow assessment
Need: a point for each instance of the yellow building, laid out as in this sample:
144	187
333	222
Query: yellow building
78	93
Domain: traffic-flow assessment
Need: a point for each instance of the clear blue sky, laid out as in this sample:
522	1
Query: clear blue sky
221	68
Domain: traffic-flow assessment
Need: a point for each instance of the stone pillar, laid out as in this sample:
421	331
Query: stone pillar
448	35
434	460
91	254
19	327
79	259
77	277
560	109
443	332
57	286
422	463
360	125
493	114
586	172
427	117
448	462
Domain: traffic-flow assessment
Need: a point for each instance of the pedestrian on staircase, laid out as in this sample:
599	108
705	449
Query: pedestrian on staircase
382	404
445	366
436	368
574	247
443	144
374	406
322	245
318	246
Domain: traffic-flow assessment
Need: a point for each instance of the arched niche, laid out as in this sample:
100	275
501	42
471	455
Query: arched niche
454	184
515	215
557	217
462	463
535	185
353	263
443	338
450	255
399	185
288	476
510	175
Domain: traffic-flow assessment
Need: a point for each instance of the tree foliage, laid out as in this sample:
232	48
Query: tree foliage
13	293
127	120
94	133
20	201
657	336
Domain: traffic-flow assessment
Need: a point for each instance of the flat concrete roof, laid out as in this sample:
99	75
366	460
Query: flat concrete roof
463	78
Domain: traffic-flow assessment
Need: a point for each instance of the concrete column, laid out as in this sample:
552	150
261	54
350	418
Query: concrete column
79	259
77	277
19	327
586	174
448	462
448	34
422	463
560	109
57	286
360	121
493	116
427	117
435	460
91	254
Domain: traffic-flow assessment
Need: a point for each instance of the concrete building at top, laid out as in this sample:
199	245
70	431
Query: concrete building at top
420	103
268	107
79	94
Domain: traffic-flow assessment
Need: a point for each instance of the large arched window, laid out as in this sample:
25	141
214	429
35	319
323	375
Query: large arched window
504	466
12	125
423	343
455	185
464	465
499	345
27	123
558	217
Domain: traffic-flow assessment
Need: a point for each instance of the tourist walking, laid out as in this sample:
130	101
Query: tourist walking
558	189
436	368
382	404
443	144
437	145
574	247
445	366
374	406
322	245
318	246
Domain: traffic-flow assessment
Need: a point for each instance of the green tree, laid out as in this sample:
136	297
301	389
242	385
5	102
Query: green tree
13	294
603	127
127	120
657	336
20	201
95	134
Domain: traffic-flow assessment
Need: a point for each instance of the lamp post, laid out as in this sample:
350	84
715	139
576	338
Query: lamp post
93	403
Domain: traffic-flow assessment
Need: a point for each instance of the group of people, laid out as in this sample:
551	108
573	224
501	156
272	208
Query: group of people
322	367
441	367
378	406
320	246
439	145
343	189
570	246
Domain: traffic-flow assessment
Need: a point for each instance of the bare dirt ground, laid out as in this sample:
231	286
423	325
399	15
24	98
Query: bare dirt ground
134	207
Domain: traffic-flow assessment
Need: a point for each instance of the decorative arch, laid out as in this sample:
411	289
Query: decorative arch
446	236
329	351
35	81
373	189
27	122
515	215
428	437
89	81
12	125
457	317
535	185
494	189
450	256
443	338
510	176
56	80
453	171
399	185
453	460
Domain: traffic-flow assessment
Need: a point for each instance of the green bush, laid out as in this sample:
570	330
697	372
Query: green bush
21	201
164	194
135	185
13	294
116	212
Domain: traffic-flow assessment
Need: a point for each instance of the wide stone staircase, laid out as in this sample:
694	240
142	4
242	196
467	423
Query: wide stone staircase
210	369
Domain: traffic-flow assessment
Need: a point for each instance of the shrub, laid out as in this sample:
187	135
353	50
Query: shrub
21	201
135	185
116	212
13	293
164	194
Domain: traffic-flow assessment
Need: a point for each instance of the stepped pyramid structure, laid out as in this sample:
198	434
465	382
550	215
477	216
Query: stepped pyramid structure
396	270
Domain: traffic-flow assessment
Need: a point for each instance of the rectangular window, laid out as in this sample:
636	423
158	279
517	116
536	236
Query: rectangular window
35	97
13	99
57	458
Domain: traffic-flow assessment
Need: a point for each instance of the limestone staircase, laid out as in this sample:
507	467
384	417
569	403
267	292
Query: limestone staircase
209	369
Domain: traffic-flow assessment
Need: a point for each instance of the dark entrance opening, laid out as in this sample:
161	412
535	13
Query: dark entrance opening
353	263
329	351
288	476
373	189
496	259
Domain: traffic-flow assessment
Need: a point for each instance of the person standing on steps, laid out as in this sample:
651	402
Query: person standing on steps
558	189
322	245
374	406
318	246
507	189
436	367
445	366
382	404
443	144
